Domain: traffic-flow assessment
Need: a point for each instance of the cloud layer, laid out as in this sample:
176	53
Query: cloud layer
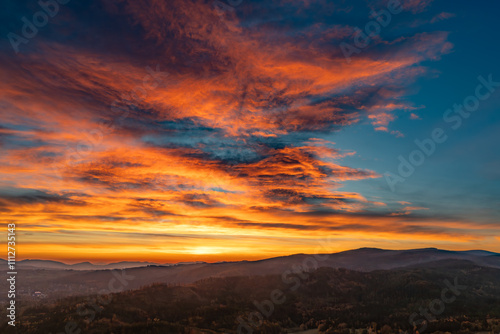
203	131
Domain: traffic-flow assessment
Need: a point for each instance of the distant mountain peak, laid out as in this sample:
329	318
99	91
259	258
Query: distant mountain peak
365	259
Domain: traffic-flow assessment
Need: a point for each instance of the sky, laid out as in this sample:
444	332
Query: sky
191	130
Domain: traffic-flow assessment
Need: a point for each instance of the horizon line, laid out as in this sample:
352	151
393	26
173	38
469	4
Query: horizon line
245	260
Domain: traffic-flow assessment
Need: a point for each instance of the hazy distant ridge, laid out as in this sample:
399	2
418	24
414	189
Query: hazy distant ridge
364	259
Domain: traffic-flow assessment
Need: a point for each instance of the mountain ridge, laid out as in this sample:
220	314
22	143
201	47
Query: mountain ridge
383	256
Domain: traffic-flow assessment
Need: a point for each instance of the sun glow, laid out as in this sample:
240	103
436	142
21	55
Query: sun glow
203	250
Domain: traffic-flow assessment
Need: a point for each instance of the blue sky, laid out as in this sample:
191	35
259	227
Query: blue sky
461	177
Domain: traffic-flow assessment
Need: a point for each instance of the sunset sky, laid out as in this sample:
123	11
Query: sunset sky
175	130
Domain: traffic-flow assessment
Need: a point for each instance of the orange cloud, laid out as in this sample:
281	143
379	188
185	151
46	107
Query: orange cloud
211	146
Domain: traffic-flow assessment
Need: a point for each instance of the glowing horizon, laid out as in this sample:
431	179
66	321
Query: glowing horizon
207	258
